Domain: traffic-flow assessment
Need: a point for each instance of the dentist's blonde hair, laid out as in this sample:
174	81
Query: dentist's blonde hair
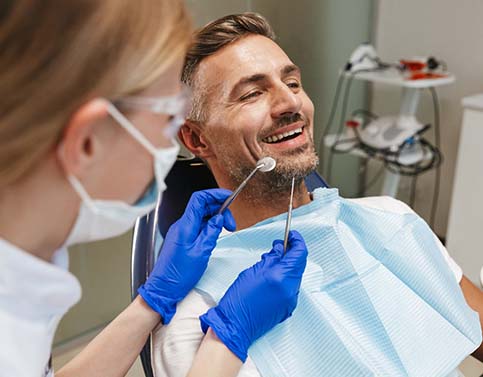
57	54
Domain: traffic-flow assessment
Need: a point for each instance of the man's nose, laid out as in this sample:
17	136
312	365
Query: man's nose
285	101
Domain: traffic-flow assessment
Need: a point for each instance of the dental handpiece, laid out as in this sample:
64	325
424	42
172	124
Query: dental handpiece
264	164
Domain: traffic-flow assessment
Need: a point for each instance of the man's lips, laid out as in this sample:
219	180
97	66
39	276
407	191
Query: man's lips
285	133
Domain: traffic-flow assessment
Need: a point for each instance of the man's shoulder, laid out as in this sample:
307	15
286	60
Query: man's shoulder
385	203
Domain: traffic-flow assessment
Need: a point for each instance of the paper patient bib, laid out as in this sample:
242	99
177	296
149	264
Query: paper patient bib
377	297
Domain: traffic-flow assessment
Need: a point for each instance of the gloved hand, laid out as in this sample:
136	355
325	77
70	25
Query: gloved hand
185	251
261	297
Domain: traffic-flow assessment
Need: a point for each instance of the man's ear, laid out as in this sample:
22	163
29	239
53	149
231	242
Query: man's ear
191	135
78	149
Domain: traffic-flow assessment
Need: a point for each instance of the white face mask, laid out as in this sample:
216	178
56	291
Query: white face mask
101	219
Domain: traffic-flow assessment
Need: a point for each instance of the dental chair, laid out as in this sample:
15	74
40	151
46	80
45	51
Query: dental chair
186	177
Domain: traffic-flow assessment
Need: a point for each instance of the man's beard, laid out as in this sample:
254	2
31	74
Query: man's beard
295	163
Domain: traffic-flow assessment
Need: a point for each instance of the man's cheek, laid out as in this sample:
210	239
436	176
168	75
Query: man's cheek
216	132
255	115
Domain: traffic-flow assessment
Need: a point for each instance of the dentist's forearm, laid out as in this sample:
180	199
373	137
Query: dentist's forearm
114	350
214	359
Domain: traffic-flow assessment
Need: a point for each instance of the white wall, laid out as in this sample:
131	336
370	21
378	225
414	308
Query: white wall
204	11
453	31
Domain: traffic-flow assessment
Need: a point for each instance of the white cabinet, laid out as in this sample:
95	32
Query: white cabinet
465	226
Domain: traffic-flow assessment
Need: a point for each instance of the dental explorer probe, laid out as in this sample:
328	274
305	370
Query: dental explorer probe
289	218
264	164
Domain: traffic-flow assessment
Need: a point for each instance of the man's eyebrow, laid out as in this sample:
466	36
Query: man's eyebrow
291	68
257	77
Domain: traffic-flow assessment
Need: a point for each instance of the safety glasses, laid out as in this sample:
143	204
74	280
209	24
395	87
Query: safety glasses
176	106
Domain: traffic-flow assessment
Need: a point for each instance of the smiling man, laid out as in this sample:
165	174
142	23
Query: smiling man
249	103
380	295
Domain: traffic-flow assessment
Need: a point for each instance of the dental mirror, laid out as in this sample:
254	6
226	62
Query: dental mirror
265	164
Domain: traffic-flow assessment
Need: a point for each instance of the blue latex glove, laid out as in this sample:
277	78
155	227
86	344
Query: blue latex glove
185	252
260	298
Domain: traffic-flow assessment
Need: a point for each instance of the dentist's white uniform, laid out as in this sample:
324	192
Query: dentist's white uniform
34	295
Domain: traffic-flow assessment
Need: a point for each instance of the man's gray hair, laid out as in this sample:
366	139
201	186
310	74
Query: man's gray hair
212	38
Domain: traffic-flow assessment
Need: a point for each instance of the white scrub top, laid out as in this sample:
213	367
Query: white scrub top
34	295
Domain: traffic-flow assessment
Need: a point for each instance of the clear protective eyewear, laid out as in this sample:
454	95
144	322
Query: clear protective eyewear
176	106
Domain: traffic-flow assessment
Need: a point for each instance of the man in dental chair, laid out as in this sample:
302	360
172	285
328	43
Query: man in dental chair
380	294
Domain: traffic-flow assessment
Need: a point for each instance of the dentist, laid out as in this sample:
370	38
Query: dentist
90	103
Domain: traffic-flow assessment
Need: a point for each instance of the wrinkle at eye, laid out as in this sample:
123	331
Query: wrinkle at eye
251	95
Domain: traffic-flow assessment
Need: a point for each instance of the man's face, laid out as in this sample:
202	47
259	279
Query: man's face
256	107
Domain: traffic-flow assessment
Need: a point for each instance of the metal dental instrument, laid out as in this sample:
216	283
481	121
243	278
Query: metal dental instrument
264	164
289	218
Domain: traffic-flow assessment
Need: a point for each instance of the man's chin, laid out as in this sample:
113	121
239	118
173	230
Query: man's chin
296	160
298	170
290	167
299	151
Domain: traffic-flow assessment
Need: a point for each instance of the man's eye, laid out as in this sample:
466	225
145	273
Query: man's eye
293	84
250	95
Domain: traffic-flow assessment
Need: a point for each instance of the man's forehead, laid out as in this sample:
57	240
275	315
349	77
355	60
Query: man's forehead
248	56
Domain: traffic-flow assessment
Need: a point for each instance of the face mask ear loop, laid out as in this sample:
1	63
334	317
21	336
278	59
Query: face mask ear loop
79	189
133	131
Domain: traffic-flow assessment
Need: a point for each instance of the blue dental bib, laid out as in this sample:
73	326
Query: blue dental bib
377	297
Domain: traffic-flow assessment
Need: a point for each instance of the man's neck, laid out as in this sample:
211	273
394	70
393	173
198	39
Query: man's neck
249	208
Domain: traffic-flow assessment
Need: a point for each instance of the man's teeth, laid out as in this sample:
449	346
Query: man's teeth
275	138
